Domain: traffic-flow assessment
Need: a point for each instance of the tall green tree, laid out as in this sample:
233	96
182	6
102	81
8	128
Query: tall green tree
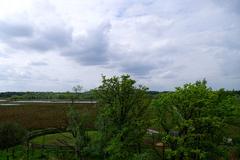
78	128
123	118
193	118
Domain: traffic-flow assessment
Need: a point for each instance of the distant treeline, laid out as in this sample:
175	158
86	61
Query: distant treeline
88	95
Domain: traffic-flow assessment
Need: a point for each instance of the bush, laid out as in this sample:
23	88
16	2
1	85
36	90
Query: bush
11	134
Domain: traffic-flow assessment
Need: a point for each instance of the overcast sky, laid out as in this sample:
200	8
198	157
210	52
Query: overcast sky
52	45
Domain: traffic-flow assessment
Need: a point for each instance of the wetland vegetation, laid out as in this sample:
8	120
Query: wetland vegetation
120	120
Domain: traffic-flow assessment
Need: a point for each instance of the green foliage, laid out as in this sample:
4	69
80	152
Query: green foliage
78	128
198	114
167	115
11	134
146	155
123	119
195	122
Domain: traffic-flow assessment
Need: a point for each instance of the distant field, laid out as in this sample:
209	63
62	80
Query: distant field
43	115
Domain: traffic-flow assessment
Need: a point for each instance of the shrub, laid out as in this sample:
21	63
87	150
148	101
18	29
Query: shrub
11	134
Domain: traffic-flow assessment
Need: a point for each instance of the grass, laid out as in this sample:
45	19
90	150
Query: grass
53	139
34	116
20	153
56	153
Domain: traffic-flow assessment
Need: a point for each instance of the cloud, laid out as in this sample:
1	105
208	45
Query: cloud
91	48
14	30
230	66
36	38
231	6
39	63
50	38
163	44
7	73
136	69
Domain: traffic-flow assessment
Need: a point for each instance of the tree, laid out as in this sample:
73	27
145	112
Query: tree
123	118
167	115
77	89
197	114
11	134
78	128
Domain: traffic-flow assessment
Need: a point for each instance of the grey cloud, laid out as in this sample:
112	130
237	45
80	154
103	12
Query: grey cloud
90	49
232	6
230	64
14	29
169	76
140	66
39	63
8	73
139	69
17	74
50	39
31	37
